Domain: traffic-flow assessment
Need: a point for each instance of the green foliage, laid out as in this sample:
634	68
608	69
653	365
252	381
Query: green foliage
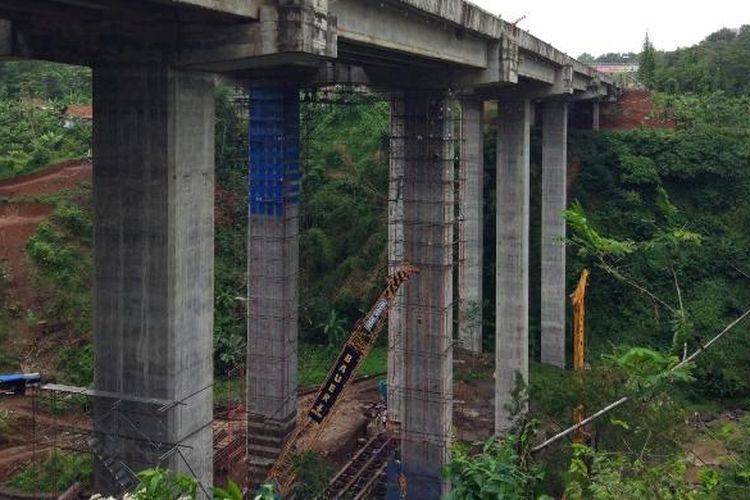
232	492
315	361
55	474
589	241
6	424
33	136
647	63
44	80
334	328
720	62
62	404
230	234
60	251
9	312
313	475
671	245
646	368
76	364
499	470
616	476
161	484
266	492
716	110
344	202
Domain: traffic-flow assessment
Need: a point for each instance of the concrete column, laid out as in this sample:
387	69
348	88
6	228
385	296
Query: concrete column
554	173
396	257
595	116
428	243
512	323
273	269
154	269
471	205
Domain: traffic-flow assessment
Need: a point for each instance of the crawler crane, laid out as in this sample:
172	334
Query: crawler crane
334	388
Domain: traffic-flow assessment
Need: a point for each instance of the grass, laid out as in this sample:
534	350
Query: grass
55	474
8	315
6	424
314	362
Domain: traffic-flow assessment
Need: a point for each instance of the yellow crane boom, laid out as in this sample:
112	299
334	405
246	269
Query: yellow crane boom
578	300
336	384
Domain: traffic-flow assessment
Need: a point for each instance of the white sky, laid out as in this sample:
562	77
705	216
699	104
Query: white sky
597	27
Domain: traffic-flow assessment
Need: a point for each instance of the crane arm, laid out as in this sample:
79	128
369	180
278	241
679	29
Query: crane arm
359	344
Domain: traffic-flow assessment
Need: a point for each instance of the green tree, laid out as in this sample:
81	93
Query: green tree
647	63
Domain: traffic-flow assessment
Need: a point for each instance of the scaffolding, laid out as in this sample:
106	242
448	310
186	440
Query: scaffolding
423	167
98	422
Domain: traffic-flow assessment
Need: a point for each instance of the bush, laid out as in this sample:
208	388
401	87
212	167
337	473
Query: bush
55	474
76	364
160	484
313	475
6	424
498	470
33	136
60	251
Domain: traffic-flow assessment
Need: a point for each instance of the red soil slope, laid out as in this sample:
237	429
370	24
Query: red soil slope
632	110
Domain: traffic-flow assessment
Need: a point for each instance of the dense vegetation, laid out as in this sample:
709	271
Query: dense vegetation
718	63
33	97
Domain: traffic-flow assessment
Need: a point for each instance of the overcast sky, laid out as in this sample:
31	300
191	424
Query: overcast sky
600	26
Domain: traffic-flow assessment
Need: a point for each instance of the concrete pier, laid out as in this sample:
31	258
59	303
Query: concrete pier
154	268
273	275
512	323
428	243
595	116
471	210
554	182
396	256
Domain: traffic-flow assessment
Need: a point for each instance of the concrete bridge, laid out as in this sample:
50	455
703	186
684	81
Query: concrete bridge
154	63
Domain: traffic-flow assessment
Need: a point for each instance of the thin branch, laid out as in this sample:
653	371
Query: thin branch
743	273
683	316
679	292
617	274
625	399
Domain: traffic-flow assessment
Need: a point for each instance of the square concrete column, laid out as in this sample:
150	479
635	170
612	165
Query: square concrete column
428	243
554	184
595	116
396	257
470	225
273	271
512	317
154	271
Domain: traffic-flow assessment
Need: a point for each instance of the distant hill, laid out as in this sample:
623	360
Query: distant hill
721	62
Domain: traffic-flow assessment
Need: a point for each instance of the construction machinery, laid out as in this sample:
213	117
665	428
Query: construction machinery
336	384
578	301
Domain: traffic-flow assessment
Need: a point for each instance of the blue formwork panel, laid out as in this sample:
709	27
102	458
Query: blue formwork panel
274	150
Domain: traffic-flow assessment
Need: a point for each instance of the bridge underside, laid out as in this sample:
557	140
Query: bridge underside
152	62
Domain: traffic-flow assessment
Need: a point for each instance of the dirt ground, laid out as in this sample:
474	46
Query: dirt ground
20	214
35	432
